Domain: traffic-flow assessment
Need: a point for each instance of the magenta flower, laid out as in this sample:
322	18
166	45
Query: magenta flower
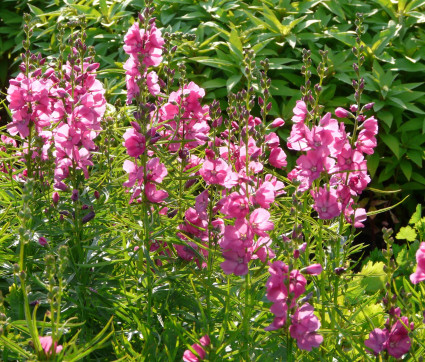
326	203
341	112
277	158
46	344
376	340
135	143
300	112
215	171
189	356
236	206
259	220
265	195
237	237
304	326
419	274
314	269
278	122
235	262
398	342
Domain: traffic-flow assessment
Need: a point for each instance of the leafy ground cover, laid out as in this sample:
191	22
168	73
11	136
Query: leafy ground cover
190	186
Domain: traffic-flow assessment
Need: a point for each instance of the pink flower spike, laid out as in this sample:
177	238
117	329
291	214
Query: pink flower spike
314	269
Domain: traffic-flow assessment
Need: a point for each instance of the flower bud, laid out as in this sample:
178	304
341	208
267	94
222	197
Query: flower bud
88	217
74	196
42	241
55	197
314	269
341	112
278	122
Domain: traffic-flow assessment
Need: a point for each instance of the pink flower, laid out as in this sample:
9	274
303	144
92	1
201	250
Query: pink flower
42	241
189	356
272	140
304	327
237	237
277	158
134	142
419	274
376	340
235	262
265	195
215	171
326	203
300	112
236	206
278	122
259	220
398	342
46	344
154	195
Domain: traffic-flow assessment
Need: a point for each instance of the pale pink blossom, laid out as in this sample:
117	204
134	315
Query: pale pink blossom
419	275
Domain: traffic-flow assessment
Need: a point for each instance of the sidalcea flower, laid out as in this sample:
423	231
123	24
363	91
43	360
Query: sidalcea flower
376	340
396	341
419	274
46	344
326	203
300	112
304	326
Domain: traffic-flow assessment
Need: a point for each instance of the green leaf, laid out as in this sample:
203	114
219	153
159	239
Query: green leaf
374	277
392	142
216	63
40	13
406	233
416	156
419	178
214	83
103	7
373	163
416	215
406	167
232	81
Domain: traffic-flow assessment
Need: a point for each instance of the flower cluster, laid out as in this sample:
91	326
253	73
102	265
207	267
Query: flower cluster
284	287
63	108
144	46
185	117
330	151
78	112
394	339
